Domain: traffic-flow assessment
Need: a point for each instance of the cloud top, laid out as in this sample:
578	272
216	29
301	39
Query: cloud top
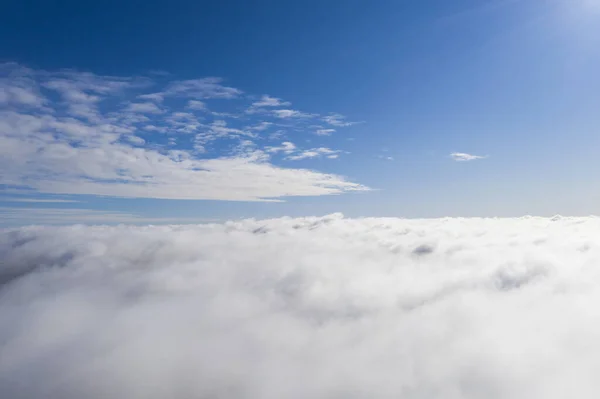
311	307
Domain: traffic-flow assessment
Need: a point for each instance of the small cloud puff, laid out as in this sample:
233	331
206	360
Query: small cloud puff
463	157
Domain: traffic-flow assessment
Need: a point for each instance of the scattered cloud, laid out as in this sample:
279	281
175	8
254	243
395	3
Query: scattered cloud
386	157
304	308
324	132
196	105
286	147
296	154
262	126
463	157
159	129
268	101
277	135
105	137
135	139
218	130
290	113
338	120
83	91
314	153
183	123
149	108
158	97
205	88
17	89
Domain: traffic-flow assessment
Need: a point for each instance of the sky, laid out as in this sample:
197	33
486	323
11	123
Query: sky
181	111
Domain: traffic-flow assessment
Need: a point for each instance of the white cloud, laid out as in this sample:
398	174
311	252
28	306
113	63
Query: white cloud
149	108
314	153
135	140
338	120
88	143
462	157
82	92
324	132
290	113
152	128
303	308
260	107
268	101
196	105
219	129
18	88
158	97
204	88
296	154
262	126
138	172
183	123
286	147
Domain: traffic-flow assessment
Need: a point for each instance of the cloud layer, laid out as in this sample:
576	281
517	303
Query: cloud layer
303	308
70	132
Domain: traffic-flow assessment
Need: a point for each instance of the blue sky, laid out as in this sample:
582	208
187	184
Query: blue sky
148	112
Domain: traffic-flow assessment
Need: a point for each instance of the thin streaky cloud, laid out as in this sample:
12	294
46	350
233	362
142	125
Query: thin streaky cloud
268	101
314	153
324	132
464	157
290	113
37	200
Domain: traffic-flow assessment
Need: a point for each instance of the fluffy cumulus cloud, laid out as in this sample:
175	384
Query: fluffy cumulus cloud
303	308
70	132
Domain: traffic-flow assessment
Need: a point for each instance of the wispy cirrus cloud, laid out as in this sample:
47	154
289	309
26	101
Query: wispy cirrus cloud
286	147
130	137
464	157
293	153
290	113
16	88
324	132
268	101
147	108
36	200
339	120
265	105
205	88
196	105
315	153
